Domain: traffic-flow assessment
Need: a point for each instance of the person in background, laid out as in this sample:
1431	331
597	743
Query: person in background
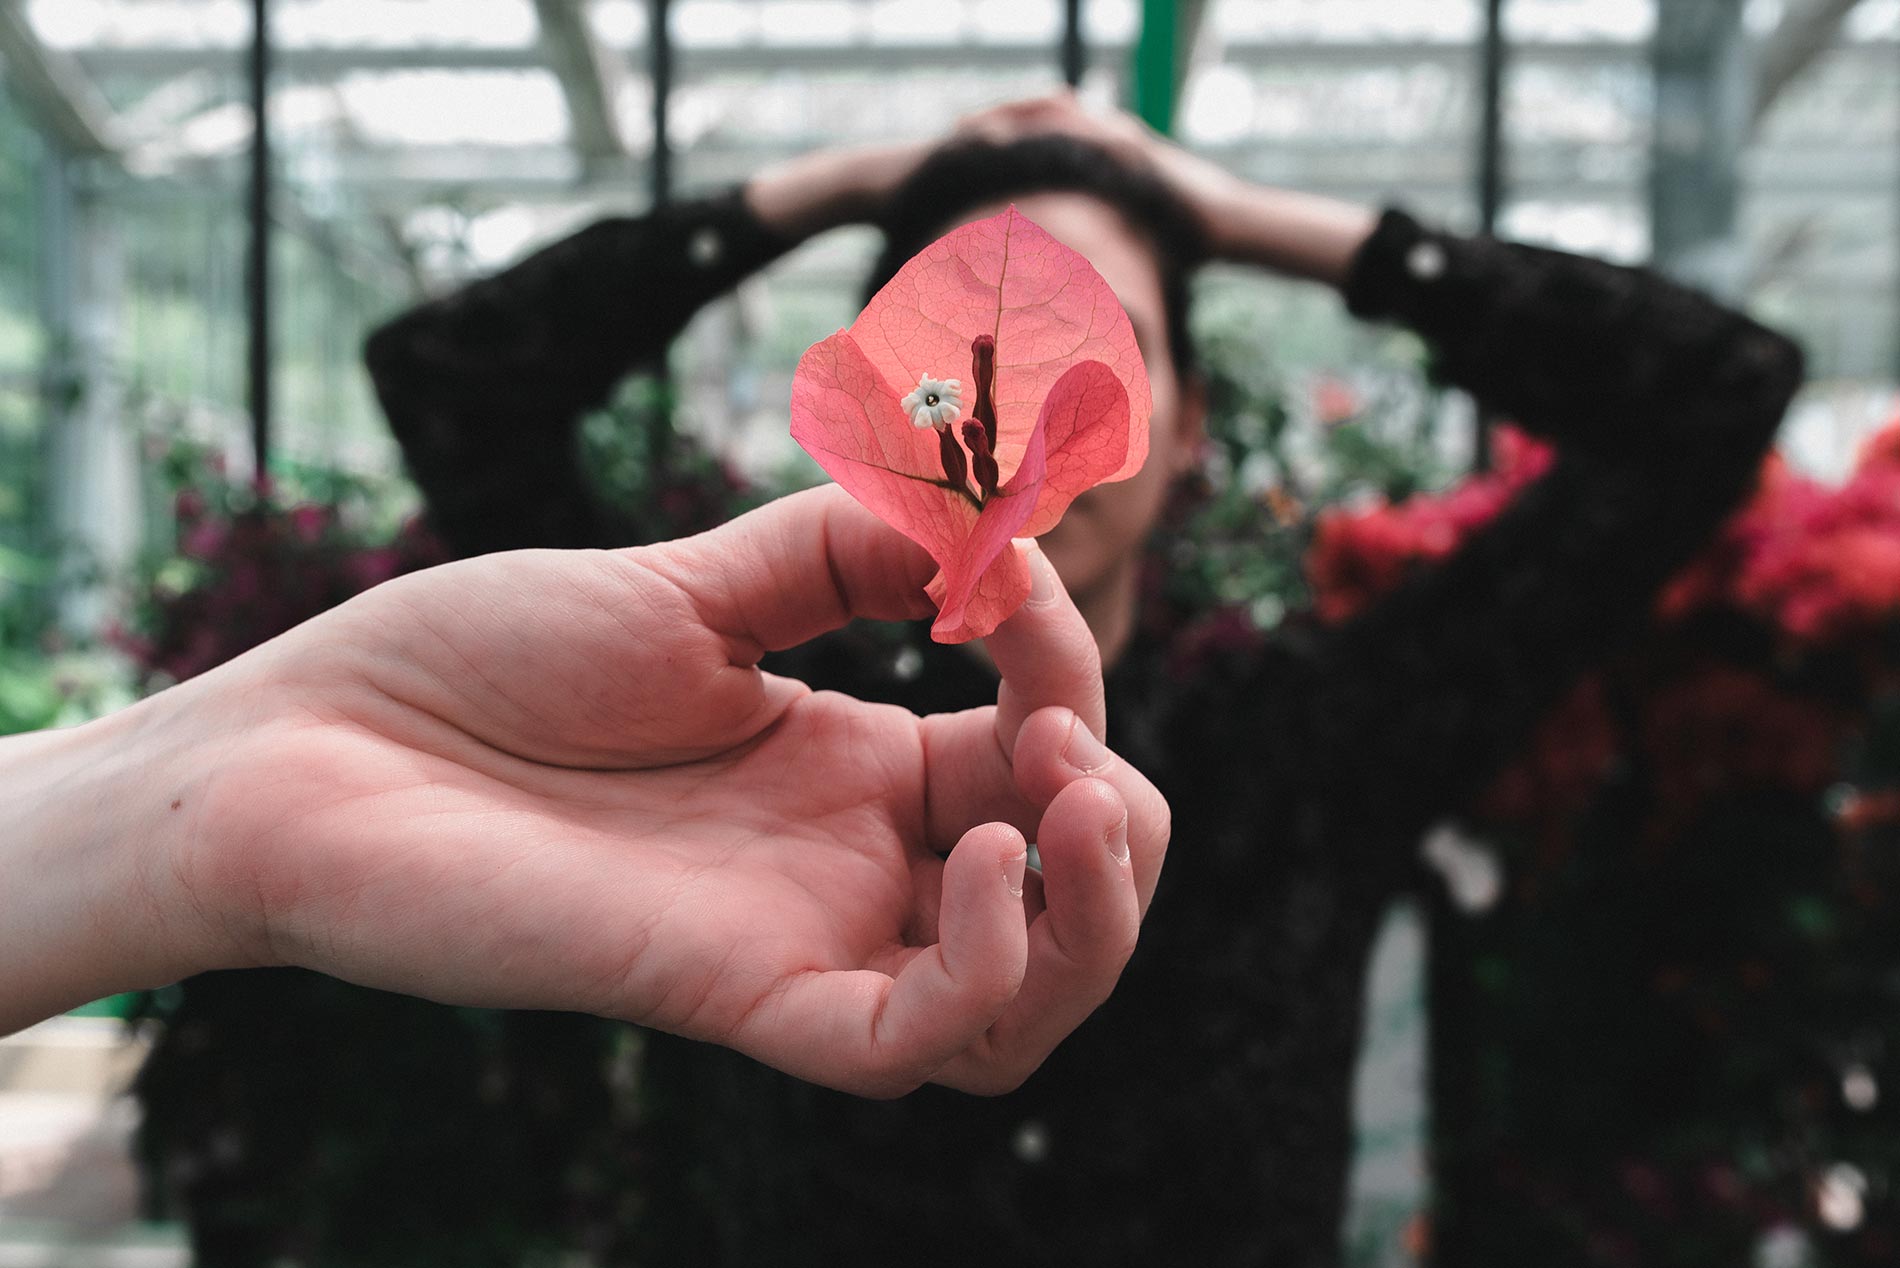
1202	1116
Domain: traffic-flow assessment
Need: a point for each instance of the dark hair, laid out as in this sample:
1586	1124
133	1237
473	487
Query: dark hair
960	175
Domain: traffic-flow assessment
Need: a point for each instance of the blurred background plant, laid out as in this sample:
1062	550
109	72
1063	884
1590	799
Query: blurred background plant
1289	434
45	680
661	479
246	561
1665	1035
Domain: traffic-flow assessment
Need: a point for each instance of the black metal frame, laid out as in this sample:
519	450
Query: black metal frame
660	41
1491	118
258	278
1074	51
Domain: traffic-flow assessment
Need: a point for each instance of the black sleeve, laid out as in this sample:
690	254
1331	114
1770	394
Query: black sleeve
1661	403
484	388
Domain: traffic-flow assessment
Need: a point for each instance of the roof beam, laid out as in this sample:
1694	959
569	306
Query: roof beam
591	79
48	84
1802	35
328	62
405	176
161	61
695	63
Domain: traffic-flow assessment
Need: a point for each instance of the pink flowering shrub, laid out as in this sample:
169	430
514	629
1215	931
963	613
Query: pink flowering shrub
1813	570
252	563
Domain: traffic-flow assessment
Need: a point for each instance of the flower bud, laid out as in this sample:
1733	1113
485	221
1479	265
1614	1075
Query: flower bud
983	359
982	461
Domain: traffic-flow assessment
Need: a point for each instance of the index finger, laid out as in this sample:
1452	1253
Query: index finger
1047	656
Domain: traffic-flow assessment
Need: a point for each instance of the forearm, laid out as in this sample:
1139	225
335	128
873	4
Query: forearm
88	899
582	311
813	192
485	388
1302	235
1618	362
1661	404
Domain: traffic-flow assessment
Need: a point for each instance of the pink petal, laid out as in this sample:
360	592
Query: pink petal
1085	434
998	592
847	417
1046	306
988	544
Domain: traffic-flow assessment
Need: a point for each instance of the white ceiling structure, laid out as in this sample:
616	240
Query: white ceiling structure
489	122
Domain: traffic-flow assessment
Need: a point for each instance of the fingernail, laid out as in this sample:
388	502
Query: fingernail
1042	576
1013	869
1084	752
1117	840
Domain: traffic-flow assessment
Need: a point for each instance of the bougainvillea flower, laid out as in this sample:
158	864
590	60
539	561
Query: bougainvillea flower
989	383
1358	554
1881	449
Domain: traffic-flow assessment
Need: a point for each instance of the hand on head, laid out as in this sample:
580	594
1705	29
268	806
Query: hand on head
815	191
558	780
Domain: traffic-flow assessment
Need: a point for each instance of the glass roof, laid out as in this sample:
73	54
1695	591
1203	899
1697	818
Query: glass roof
226	24
450	120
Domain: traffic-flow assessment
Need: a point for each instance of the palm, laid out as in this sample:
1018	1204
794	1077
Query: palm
623	817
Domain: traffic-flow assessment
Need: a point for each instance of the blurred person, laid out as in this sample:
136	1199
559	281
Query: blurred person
1203	1114
559	780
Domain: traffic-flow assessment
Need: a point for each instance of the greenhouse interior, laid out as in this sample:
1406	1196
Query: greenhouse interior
1626	999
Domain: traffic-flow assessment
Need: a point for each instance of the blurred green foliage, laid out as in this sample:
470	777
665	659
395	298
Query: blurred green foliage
1288	436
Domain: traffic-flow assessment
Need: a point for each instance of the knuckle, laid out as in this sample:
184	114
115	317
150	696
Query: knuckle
892	1082
999	1082
993	991
991	1078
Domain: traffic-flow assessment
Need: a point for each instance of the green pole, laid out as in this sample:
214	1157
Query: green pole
1154	65
111	1006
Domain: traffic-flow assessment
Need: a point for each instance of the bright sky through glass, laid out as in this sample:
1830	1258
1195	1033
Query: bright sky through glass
296	23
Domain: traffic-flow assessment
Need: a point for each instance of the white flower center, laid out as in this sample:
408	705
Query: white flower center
933	402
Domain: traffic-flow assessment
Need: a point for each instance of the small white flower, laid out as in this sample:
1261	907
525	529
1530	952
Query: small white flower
935	401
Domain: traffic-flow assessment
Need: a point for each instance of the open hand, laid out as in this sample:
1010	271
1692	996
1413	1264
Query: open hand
556	780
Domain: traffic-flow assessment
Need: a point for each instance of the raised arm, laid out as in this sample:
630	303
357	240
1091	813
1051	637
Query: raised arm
1661	402
485	387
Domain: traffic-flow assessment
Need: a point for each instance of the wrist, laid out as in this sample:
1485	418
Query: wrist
95	901
811	193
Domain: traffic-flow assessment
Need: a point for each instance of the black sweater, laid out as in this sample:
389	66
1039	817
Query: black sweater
1203	1115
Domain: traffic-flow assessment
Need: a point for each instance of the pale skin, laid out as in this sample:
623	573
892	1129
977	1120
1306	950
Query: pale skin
558	780
1098	545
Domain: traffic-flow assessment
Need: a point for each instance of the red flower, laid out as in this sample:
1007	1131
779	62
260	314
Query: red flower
1821	565
1882	449
1567	761
1518	456
1356	556
1334	400
308	520
1721	729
